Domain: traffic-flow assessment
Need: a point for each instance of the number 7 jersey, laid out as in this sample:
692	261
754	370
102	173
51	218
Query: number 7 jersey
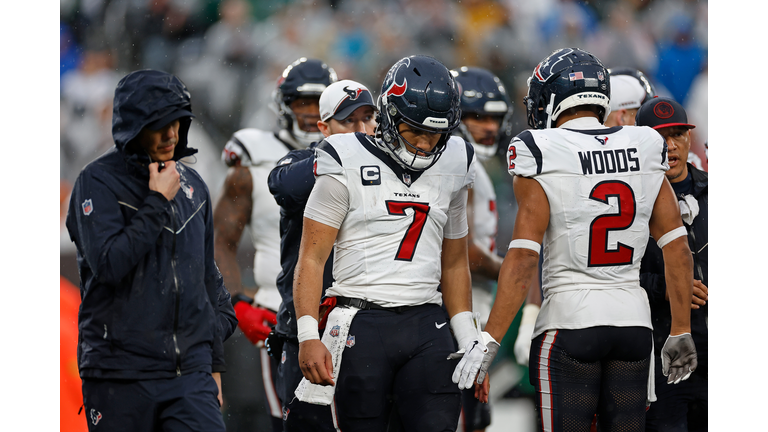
601	184
389	244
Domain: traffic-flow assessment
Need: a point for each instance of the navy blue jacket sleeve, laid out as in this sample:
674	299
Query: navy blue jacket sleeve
110	247
291	181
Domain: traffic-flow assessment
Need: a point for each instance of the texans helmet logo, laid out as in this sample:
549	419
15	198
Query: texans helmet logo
603	139
397	90
353	93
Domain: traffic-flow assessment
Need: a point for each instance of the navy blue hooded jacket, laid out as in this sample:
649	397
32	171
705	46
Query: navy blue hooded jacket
154	304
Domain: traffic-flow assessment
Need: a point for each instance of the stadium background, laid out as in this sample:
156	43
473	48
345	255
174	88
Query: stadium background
231	52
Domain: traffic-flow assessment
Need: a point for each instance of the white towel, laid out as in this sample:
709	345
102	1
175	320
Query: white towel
689	208
651	397
335	339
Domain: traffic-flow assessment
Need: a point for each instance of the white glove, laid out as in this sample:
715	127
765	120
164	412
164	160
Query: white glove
678	358
476	358
522	347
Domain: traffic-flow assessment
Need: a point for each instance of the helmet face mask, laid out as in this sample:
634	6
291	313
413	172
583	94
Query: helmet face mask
302	78
483	94
567	78
420	92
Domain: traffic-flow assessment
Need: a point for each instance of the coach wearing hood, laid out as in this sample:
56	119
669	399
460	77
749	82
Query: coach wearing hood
154	312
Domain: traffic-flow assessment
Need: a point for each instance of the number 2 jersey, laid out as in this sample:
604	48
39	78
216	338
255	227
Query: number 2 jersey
601	184
389	243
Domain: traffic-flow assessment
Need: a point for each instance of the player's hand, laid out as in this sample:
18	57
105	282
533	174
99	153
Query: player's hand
166	181
254	321
678	358
476	357
316	362
217	377
483	390
700	294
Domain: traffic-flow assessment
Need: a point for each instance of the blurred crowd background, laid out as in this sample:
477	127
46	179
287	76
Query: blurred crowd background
230	54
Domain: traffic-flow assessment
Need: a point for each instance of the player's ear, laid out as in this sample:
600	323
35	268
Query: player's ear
325	128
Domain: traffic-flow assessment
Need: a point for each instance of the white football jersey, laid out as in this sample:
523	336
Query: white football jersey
601	184
389	245
262	151
484	207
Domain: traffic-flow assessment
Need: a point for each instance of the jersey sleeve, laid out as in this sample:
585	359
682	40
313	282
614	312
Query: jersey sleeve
328	202
469	179
654	151
328	162
524	156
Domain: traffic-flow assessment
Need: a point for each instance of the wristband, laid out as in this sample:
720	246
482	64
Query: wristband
530	313
672	235
464	328
525	244
307	328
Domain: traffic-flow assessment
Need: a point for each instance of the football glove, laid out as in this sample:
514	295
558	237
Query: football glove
476	358
678	358
254	321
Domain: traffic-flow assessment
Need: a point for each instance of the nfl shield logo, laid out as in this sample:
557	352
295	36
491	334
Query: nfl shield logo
87	207
350	341
407	179
335	331
600	75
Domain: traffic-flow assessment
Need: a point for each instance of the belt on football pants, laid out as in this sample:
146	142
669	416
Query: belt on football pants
366	305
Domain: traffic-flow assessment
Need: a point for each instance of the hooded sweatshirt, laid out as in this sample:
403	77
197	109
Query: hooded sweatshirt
154	304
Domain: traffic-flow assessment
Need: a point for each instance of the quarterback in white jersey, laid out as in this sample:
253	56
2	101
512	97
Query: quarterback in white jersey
591	195
246	200
395	206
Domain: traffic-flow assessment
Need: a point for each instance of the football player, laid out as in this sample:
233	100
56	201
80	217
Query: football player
485	112
590	195
251	154
395	206
345	107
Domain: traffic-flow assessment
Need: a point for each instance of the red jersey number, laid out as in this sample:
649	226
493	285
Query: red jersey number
408	245
599	253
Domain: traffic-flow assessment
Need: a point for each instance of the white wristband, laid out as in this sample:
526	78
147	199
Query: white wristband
307	327
530	313
672	235
525	244
464	328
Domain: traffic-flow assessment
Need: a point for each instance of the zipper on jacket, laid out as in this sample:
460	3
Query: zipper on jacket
176	292
696	264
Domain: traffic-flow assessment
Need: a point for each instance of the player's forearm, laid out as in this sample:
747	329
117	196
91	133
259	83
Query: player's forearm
307	287
455	279
519	273
226	260
484	262
678	272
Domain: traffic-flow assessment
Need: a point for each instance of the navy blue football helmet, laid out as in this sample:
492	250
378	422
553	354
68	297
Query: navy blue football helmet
567	78
483	94
421	92
650	90
302	78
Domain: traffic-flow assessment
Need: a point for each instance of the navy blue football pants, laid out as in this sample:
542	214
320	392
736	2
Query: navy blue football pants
597	370
398	358
185	403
